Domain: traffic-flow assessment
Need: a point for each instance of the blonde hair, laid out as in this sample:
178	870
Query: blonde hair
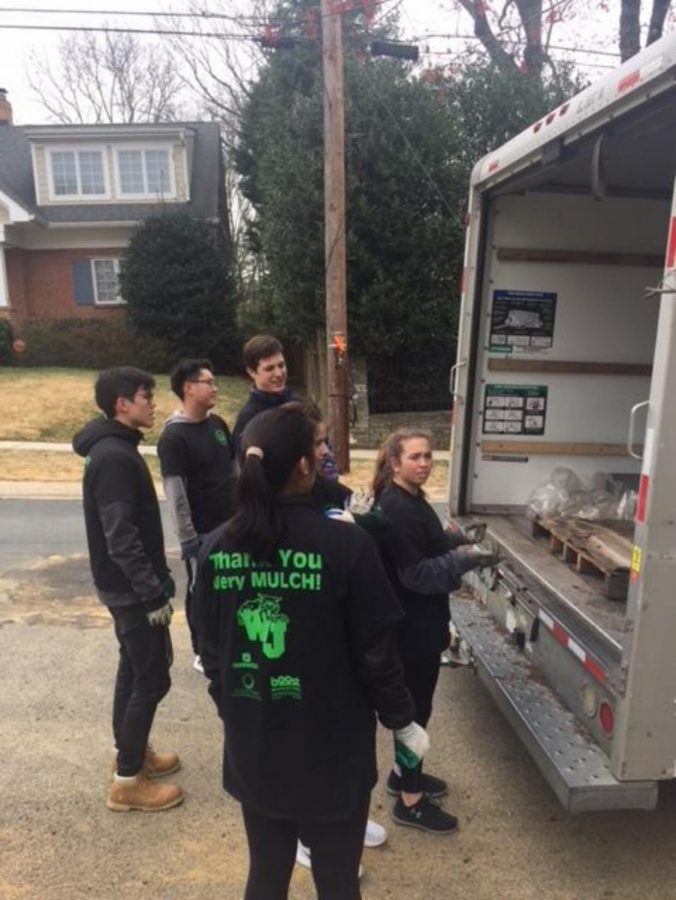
392	448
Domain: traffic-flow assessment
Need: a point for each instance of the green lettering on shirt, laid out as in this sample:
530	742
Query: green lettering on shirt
264	623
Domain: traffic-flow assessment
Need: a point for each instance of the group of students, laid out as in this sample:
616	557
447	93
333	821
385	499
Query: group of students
310	621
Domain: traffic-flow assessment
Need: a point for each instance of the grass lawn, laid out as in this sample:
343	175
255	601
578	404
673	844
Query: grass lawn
52	404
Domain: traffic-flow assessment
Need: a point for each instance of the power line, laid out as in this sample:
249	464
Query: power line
136	12
121	30
472	37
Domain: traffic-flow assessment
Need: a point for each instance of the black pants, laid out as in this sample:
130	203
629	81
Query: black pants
142	681
336	849
421	676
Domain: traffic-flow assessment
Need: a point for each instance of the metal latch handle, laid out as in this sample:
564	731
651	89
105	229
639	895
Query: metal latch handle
632	427
453	375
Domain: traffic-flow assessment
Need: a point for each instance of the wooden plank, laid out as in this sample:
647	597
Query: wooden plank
566	367
555	448
583	257
583	595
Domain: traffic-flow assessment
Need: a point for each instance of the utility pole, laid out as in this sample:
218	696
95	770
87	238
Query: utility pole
334	227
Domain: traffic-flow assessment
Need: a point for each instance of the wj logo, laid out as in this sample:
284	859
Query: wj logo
263	622
219	434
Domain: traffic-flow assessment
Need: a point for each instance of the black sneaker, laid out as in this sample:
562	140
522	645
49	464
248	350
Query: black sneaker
433	788
424	815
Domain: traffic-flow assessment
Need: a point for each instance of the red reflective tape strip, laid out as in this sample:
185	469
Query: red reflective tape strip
670	262
563	638
560	635
594	669
493	166
629	81
642	501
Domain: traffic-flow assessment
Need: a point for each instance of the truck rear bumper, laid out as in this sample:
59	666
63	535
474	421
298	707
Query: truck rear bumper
573	764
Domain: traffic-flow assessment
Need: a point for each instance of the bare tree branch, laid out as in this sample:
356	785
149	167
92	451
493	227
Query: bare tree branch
659	14
630	28
108	78
482	29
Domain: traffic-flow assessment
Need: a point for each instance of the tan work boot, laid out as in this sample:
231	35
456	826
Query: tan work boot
155	764
143	794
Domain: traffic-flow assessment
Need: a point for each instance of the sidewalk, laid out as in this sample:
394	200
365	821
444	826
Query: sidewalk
151	449
72	490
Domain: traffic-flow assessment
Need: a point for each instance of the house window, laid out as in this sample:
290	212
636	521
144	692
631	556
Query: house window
105	276
77	173
144	172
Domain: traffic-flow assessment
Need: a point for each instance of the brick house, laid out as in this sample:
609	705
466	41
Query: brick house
71	196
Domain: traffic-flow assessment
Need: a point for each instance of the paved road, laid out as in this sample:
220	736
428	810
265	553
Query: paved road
32	530
59	842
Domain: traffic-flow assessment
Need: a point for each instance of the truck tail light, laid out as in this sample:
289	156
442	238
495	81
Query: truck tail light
606	717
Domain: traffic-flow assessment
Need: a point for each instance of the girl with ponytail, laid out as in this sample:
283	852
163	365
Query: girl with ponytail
425	562
295	618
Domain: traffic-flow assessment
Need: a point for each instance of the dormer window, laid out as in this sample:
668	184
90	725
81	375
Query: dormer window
144	173
77	173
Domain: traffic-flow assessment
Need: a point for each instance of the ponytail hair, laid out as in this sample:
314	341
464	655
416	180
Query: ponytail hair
272	444
391	449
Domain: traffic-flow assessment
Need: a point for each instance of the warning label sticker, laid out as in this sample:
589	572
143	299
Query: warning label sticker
514	409
522	322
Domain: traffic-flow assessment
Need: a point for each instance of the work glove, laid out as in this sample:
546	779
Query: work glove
341	515
161	616
459	536
190	549
475	557
411	743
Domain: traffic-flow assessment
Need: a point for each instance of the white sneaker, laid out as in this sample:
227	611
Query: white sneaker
197	664
375	834
303	858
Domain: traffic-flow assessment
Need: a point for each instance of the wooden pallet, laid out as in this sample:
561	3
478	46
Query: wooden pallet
597	548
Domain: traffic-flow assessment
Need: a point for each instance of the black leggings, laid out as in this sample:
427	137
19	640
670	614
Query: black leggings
421	676
336	849
142	681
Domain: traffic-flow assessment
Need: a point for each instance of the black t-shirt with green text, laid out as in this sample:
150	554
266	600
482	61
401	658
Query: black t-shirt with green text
202	454
281	643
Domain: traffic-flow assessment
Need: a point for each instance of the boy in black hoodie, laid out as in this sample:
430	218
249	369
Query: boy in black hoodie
126	554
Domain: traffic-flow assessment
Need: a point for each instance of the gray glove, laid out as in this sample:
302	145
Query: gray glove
161	616
475	557
411	743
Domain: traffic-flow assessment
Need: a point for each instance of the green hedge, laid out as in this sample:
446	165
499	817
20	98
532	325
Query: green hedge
90	344
6	354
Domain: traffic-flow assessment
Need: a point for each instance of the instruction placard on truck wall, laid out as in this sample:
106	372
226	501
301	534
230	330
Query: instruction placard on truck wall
522	322
514	409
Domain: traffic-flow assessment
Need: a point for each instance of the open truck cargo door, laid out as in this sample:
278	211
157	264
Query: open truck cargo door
566	359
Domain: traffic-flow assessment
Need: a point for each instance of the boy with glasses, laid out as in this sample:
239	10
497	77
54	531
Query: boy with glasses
198	469
126	554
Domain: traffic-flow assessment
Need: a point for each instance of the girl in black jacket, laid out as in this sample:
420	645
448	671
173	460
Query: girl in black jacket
425	562
295	619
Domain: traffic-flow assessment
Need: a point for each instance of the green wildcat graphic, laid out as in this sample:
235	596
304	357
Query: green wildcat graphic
263	622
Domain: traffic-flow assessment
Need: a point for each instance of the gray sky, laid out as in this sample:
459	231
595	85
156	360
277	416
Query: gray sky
418	18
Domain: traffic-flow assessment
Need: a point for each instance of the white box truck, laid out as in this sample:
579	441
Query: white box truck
567	358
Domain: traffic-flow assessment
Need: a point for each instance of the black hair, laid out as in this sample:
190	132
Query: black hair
283	436
187	370
309	407
259	347
121	381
